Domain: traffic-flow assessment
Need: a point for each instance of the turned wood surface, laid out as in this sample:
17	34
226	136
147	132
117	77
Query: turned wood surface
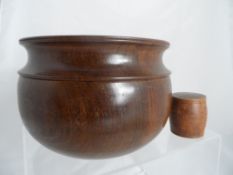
188	114
94	96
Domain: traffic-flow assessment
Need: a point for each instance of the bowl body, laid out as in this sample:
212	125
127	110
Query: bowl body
94	96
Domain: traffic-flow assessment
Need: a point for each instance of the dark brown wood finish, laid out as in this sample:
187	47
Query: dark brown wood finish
188	114
94	96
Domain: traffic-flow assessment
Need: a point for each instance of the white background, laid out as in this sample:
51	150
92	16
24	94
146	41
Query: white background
200	57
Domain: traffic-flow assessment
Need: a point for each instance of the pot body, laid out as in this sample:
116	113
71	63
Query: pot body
94	96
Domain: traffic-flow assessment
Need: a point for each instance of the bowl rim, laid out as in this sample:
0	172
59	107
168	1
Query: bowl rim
55	39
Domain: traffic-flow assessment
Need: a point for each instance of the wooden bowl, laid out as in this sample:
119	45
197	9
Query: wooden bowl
94	96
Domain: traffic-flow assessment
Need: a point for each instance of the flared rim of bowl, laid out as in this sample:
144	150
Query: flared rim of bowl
92	39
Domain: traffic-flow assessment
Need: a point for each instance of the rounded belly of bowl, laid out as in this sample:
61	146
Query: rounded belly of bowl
94	119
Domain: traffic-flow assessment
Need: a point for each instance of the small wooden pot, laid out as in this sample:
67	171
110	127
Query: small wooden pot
188	114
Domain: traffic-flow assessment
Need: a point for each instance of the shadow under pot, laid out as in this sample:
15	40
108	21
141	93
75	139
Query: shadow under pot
94	96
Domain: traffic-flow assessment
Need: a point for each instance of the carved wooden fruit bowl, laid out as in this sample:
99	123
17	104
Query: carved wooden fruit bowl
94	96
